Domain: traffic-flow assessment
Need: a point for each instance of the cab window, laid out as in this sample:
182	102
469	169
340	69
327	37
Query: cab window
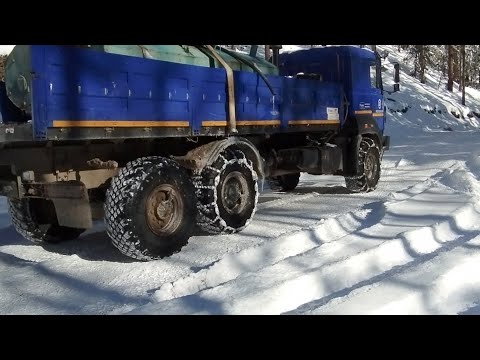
373	77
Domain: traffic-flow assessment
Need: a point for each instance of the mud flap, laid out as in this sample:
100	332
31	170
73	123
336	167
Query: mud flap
75	213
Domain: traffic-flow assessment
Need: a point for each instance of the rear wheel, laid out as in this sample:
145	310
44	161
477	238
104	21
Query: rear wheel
284	182
227	193
369	163
150	208
36	221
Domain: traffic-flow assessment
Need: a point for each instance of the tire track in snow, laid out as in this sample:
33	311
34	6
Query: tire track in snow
320	272
286	200
255	258
337	248
447	283
287	245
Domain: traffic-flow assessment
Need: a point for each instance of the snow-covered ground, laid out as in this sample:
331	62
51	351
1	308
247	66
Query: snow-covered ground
5	49
410	247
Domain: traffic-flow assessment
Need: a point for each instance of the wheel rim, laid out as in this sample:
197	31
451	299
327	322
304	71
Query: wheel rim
234	192
370	167
164	209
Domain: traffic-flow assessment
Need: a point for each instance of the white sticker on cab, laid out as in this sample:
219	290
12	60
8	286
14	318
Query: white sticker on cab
332	113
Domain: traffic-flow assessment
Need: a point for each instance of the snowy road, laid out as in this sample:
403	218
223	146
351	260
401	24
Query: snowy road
312	251
306	271
410	247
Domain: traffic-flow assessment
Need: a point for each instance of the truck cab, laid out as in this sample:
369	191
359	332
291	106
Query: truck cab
358	70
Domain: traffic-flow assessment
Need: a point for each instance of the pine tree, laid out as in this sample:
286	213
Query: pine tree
450	52
420	54
463	73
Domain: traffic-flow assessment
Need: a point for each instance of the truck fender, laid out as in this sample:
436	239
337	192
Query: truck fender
366	125
205	155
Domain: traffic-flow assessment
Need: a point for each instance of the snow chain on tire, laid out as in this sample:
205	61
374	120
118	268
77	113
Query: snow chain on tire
127	219
212	216
361	183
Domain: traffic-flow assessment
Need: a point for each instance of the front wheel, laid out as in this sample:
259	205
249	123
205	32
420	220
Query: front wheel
369	163
150	208
284	183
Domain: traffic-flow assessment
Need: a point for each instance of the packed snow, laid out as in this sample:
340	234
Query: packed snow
410	247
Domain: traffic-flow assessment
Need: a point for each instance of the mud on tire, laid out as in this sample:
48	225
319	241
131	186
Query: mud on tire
227	193
369	162
26	220
150	208
284	182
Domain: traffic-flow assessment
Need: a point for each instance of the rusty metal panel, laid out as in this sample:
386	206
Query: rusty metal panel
15	133
58	190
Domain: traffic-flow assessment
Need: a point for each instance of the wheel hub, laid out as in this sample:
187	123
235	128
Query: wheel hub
163	209
234	192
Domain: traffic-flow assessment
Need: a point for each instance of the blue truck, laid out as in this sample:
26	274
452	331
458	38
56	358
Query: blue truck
163	140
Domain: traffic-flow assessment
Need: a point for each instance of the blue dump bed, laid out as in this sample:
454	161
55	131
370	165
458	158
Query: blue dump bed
81	93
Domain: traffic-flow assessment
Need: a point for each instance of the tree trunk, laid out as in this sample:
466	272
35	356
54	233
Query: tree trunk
422	63
450	67
415	66
463	74
456	63
267	52
460	66
373	47
3	59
